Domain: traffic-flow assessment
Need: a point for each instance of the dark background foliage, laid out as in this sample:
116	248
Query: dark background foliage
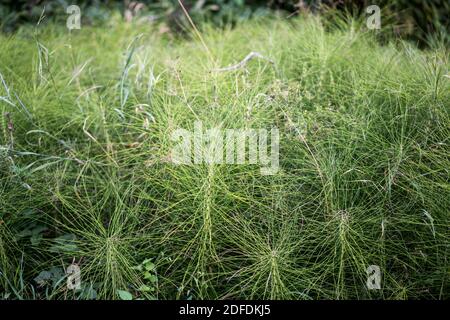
415	19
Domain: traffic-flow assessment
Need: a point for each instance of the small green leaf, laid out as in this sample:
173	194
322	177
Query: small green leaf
151	277
64	243
88	293
124	295
145	288
43	277
137	268
149	266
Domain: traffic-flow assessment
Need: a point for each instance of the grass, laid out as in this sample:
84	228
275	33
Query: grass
86	174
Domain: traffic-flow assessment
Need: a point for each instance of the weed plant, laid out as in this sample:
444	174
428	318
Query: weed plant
86	173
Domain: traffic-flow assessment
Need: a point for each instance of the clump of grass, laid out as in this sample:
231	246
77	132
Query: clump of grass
86	175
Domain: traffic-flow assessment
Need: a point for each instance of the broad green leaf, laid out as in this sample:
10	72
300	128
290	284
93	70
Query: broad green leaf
124	295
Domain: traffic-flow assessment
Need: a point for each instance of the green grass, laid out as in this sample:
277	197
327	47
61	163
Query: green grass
86	177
